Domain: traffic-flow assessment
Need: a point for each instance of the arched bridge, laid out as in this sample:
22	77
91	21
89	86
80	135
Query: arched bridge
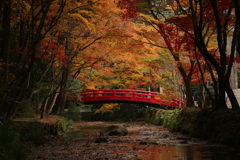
129	96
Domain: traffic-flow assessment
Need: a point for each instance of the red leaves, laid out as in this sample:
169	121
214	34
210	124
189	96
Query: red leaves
223	6
183	22
52	47
51	51
236	59
175	39
128	73
131	8
20	50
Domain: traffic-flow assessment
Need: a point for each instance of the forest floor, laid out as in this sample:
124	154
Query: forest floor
143	141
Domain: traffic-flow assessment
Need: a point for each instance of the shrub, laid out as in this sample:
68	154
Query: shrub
73	112
63	123
168	118
172	120
28	110
10	146
33	131
158	118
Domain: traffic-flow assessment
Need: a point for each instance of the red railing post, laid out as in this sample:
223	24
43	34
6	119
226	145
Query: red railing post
114	93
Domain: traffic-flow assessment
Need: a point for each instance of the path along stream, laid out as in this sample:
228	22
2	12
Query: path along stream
144	141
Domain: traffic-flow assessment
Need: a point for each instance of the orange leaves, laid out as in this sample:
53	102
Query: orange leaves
118	58
107	72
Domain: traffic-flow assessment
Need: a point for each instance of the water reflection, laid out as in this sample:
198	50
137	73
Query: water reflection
83	133
179	152
172	150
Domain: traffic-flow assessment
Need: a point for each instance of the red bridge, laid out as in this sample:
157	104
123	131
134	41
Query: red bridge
128	96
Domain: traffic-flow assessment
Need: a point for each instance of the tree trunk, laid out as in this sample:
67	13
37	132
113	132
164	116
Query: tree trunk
4	55
1	10
54	101
5	13
44	105
64	89
62	98
187	82
61	102
231	96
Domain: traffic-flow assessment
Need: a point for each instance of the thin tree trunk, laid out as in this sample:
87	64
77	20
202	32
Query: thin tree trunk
54	100
65	87
6	15
61	101
231	96
1	10
62	98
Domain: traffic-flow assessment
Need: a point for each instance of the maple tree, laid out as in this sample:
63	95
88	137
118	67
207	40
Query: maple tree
58	43
127	66
119	60
175	43
20	59
189	17
221	18
110	57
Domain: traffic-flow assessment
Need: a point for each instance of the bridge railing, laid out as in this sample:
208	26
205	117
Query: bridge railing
127	95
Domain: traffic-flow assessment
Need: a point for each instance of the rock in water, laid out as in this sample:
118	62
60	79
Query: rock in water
101	140
114	130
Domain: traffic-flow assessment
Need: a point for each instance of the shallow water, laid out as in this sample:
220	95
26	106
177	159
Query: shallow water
83	133
159	145
187	153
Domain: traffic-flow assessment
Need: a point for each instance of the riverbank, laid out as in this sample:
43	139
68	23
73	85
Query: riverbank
221	126
217	126
144	140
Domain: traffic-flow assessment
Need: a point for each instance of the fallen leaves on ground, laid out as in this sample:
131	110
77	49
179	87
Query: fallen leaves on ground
143	141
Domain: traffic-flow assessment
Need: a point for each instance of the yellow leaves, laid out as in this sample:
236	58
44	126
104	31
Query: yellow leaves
136	76
123	57
109	107
79	17
148	18
91	86
26	7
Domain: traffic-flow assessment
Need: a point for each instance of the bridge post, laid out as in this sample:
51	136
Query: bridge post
152	95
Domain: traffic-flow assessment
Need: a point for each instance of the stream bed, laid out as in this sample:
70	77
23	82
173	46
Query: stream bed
144	141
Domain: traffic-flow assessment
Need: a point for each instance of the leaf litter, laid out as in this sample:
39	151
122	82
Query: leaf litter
143	141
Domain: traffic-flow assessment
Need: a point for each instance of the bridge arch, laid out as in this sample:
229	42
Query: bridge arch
127	96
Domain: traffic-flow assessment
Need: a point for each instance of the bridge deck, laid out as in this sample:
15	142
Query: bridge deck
126	95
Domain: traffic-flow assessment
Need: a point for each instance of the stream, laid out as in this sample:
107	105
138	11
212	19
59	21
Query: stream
144	141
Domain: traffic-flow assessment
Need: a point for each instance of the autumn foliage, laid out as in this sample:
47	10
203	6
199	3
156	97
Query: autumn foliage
51	48
207	26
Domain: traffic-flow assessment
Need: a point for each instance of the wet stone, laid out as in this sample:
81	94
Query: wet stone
114	130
